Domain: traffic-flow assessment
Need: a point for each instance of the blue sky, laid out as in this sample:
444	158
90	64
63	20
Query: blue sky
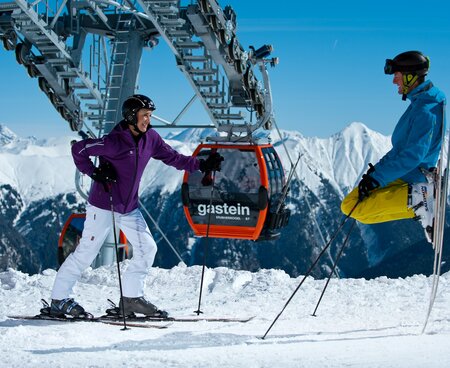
330	74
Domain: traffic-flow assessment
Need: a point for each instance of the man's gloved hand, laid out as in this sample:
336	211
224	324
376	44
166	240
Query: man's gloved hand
367	183
105	173
212	163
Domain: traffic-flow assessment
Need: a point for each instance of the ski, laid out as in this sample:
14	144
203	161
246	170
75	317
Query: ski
135	321
440	204
42	317
142	324
113	314
114	318
177	319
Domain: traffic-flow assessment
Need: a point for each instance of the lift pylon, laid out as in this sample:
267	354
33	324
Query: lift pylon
86	57
86	54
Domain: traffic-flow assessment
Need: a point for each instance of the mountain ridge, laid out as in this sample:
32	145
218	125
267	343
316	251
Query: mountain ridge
42	174
56	151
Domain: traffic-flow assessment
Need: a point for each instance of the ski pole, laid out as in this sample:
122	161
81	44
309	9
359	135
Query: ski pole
205	249
327	245
334	266
117	258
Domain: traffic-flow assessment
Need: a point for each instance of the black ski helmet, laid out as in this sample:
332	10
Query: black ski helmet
133	104
412	64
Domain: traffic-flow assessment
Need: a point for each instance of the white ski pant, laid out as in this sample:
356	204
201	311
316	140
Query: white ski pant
97	226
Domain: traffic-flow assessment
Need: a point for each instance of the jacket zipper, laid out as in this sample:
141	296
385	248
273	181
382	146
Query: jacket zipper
136	150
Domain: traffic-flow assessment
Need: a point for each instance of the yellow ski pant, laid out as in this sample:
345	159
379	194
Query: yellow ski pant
384	204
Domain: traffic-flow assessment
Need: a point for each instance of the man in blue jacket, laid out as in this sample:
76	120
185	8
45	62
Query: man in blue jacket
123	155
400	185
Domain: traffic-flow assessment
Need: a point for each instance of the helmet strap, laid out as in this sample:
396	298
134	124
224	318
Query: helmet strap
408	81
137	130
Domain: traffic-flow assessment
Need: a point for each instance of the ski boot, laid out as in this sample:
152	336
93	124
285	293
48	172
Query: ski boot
139	305
421	200
68	308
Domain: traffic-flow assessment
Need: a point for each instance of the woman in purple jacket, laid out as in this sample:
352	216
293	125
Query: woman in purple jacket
123	155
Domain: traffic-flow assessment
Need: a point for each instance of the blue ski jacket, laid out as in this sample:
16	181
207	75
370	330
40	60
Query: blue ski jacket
417	138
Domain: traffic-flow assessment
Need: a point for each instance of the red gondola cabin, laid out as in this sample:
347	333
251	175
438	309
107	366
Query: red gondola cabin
246	195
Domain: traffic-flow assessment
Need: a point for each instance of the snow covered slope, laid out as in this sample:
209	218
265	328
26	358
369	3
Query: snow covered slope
36	169
370	324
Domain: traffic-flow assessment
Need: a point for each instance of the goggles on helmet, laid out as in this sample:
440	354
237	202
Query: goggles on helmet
389	67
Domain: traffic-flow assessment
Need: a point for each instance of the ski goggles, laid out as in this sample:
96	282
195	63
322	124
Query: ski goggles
389	67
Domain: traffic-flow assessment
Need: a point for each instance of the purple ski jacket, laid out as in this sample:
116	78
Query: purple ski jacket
129	158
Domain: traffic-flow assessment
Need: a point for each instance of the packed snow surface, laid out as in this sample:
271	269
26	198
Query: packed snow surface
359	323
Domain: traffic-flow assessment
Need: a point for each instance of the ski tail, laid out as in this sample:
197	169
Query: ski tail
441	193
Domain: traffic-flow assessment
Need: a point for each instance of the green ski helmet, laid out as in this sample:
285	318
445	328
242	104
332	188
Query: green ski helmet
412	64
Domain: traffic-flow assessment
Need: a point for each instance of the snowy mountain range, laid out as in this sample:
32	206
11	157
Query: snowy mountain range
37	193
44	168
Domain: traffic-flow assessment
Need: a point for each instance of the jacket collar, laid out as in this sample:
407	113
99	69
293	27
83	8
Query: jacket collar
423	87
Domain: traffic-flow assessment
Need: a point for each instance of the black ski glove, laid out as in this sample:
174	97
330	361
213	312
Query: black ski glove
367	183
104	174
212	163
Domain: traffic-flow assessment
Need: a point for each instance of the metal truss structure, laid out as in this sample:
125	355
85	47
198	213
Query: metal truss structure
86	57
